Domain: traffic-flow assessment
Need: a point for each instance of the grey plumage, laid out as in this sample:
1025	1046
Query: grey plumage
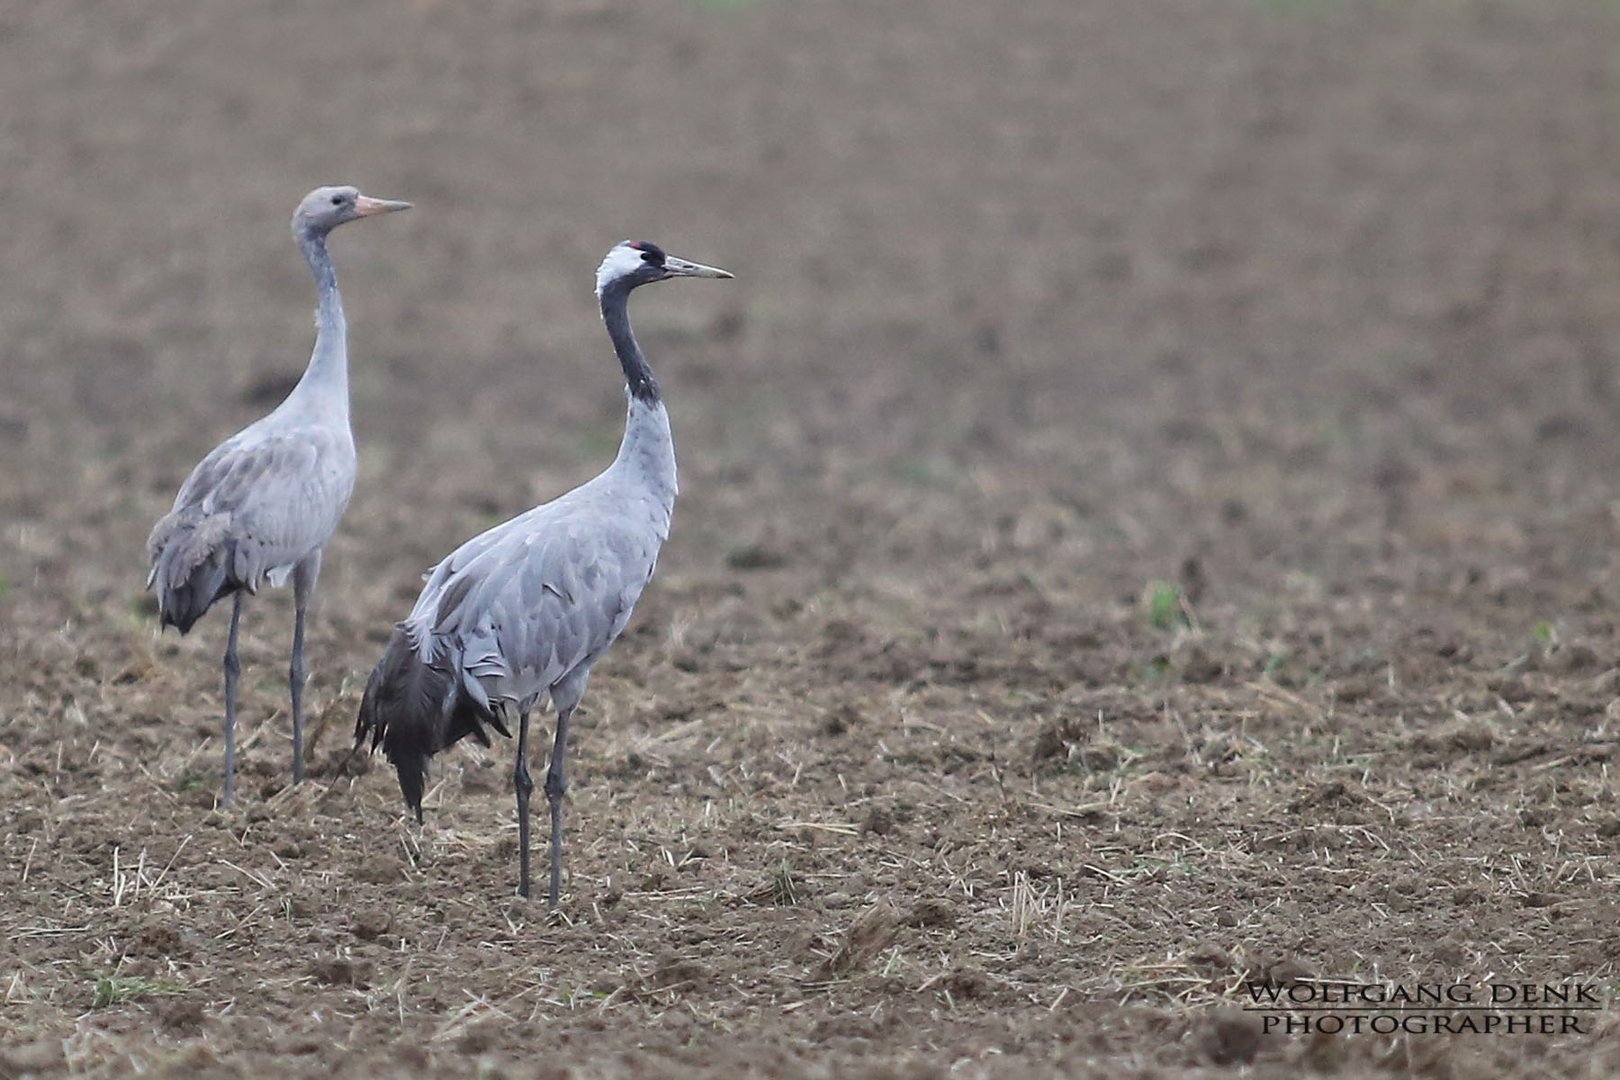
263	504
522	612
254	508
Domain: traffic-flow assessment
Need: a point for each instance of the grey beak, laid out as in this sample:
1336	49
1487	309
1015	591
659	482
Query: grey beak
681	268
366	206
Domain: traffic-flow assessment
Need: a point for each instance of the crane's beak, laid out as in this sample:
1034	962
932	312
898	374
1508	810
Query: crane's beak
674	267
366	206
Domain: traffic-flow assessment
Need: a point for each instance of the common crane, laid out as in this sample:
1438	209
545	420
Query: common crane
523	611
263	504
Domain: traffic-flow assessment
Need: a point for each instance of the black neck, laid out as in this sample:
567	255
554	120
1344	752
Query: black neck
616	314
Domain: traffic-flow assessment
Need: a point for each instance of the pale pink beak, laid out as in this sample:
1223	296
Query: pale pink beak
366	206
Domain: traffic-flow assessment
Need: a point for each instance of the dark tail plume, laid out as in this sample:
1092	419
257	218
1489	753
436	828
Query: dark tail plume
414	709
191	564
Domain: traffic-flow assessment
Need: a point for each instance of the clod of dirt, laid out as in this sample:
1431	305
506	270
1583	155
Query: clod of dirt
371	925
1406	893
840	720
1607	684
677	973
967	983
1285	972
1450	954
1068	741
1325	1055
1570	659
1536	817
931	914
1194	581
1333	793
341	972
756	556
183	1016
382	869
1354	689
878	821
1510	688
1210	961
479	1038
672	975
139	668
872	931
1103	756
302	1047
412	1056
1195	664
841	632
43	1056
1231	1037
1468	736
156	937
632	766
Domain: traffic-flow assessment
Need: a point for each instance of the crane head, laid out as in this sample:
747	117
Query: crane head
325	208
640	262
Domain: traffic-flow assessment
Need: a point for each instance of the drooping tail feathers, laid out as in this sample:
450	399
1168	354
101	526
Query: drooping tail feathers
413	709
192	555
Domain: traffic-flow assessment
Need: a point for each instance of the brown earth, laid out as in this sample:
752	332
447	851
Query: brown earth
1149	521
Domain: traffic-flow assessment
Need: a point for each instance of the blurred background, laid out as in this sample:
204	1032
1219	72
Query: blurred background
1153	359
1076	290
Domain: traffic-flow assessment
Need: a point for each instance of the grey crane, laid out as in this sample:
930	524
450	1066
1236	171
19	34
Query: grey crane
523	611
262	505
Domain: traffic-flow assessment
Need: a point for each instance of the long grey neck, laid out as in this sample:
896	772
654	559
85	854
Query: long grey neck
324	387
648	449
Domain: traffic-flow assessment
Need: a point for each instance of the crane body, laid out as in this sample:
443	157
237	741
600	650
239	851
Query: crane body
263	504
521	613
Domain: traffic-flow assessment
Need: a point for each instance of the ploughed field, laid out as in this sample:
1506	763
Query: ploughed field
1148	524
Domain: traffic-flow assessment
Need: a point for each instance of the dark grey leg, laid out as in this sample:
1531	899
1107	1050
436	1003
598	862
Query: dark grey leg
524	786
556	787
303	590
233	669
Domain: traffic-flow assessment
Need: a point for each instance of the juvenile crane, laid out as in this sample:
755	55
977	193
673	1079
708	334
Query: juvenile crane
262	505
522	612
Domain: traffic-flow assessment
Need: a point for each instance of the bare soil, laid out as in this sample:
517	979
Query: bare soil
1149	521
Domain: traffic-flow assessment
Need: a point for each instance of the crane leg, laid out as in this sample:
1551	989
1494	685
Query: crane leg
233	671
556	787
524	786
304	577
